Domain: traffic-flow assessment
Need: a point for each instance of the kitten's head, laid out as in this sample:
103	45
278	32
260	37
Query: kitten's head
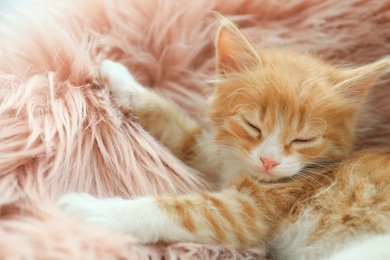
275	112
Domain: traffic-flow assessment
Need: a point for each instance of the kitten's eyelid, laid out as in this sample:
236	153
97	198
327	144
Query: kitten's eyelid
252	125
304	140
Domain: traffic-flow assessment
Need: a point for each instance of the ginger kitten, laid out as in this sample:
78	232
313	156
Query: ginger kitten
279	146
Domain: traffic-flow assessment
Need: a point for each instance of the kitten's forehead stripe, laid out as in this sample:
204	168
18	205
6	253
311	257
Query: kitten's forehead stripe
269	120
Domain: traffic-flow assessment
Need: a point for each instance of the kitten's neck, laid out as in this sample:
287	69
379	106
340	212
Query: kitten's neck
230	173
212	160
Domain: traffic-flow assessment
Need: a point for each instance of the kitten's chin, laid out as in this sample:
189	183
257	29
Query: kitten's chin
270	176
266	176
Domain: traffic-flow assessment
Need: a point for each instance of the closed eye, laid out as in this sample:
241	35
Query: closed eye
254	127
304	140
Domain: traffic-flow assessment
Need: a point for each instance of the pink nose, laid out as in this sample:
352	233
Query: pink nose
268	163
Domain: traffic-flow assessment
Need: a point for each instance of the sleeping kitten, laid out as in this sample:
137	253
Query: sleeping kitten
282	134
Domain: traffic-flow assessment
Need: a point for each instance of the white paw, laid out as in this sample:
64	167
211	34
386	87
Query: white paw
89	209
120	82
141	218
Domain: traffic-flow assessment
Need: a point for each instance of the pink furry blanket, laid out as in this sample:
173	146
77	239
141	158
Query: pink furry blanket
61	132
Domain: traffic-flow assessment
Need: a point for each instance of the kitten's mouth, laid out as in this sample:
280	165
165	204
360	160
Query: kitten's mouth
261	174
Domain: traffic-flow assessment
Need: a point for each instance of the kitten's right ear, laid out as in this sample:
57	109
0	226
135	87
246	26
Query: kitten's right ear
355	82
234	52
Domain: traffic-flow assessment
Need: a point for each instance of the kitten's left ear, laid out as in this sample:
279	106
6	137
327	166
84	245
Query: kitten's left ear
355	82
234	51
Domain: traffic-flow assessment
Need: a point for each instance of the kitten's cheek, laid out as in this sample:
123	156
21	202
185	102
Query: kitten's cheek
291	170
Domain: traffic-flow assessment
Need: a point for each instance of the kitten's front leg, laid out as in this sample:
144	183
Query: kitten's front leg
141	218
229	217
157	115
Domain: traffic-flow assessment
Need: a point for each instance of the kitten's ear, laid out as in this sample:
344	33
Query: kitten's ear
234	52
354	83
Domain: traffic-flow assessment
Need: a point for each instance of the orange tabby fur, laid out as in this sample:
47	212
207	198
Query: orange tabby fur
248	212
296	87
274	88
301	109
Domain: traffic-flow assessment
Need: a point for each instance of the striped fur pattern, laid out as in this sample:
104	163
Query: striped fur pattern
279	146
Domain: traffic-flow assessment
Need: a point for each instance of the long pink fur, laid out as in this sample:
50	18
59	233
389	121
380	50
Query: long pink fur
60	131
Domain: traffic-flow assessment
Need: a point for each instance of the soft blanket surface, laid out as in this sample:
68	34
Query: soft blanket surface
60	131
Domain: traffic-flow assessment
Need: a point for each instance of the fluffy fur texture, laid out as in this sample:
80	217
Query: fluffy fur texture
274	114
60	132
